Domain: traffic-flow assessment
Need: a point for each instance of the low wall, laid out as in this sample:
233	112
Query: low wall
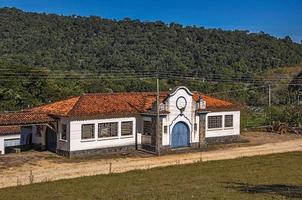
91	152
223	139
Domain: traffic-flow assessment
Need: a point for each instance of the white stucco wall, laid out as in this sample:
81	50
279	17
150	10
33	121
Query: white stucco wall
219	132
76	143
190	118
6	137
174	116
38	139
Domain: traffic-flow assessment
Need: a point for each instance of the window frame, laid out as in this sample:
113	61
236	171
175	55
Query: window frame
147	121
61	138
93	136
108	137
132	132
215	128
229	127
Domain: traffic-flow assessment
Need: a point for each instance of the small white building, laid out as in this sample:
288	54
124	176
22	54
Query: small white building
117	122
9	137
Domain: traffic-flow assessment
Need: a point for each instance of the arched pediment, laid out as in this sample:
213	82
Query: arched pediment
175	90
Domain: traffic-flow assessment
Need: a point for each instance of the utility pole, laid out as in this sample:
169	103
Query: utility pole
157	114
269	95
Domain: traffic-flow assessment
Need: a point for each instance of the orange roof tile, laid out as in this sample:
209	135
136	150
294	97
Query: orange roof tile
10	130
59	108
212	102
99	104
19	118
114	103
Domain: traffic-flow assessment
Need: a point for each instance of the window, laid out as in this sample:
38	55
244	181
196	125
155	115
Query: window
87	131
165	129
215	121
147	127
108	130
195	126
126	128
63	132
228	121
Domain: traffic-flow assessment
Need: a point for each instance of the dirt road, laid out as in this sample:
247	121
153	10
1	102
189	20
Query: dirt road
43	170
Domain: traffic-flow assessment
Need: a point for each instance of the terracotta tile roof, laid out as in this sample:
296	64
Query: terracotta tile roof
99	104
60	108
213	103
19	118
114	103
10	130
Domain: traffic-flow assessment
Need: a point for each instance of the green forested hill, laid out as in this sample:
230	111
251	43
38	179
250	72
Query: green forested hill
46	41
60	42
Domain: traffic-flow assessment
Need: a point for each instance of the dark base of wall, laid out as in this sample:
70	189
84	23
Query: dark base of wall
168	149
91	152
223	139
39	147
15	149
148	147
164	149
194	145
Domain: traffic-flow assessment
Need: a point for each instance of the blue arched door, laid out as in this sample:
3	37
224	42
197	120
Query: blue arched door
180	135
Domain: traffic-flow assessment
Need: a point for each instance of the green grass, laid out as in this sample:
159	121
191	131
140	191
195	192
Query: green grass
263	177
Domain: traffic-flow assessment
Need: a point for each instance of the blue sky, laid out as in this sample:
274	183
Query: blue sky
276	17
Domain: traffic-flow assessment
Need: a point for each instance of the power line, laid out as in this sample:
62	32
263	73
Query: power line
169	74
237	90
143	74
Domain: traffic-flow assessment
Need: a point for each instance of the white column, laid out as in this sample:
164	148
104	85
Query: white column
2	149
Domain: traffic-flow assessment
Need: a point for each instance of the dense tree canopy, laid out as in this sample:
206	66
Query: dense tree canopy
48	42
94	43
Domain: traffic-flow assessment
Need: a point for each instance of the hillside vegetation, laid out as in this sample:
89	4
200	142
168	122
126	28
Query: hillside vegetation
75	45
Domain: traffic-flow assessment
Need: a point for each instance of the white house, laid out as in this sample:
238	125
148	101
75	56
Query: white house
9	137
115	122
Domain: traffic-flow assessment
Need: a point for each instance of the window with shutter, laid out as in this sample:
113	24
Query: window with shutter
127	128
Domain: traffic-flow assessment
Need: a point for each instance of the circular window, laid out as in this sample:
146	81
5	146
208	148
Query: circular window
181	103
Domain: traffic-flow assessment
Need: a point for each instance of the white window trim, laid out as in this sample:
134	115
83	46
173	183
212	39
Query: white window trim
215	129
88	139
107	138
223	123
230	127
127	136
111	137
120	129
119	134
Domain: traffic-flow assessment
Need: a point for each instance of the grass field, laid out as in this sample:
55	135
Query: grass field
276	176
